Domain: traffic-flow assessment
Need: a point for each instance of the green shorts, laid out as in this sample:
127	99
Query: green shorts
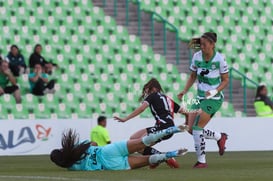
210	106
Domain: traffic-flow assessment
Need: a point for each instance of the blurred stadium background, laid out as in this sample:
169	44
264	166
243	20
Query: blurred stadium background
107	49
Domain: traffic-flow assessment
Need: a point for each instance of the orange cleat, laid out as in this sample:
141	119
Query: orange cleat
172	163
200	165
221	143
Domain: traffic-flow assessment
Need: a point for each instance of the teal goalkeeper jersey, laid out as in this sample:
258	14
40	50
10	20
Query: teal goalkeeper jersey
208	73
90	162
109	157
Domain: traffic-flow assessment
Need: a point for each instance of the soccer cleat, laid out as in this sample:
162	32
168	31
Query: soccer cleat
221	143
176	153
172	163
200	165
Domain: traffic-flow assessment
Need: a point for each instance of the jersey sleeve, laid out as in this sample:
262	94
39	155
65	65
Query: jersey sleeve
193	66
223	66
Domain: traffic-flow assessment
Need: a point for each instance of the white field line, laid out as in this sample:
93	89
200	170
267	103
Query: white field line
42	178
51	178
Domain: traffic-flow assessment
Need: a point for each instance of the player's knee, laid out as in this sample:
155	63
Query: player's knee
133	137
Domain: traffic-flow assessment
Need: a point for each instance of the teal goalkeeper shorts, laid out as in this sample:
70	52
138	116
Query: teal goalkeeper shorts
115	156
210	106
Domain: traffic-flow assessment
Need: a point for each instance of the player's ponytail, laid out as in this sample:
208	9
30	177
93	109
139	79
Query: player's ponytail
148	88
71	151
195	43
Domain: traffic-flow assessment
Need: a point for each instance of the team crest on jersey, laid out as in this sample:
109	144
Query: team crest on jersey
213	66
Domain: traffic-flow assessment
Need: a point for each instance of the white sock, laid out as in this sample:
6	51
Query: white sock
209	134
157	158
200	145
150	139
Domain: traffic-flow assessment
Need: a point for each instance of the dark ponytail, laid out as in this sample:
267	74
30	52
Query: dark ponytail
153	83
71	151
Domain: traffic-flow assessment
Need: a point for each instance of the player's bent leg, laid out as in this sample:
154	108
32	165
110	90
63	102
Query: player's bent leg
148	140
159	158
152	138
190	121
210	134
135	145
138	161
139	134
199	139
199	144
219	137
170	160
155	160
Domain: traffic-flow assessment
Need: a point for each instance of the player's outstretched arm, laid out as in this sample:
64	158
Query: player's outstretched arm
136	112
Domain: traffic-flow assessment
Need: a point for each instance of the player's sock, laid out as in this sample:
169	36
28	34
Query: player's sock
150	151
176	153
152	138
199	143
209	134
158	158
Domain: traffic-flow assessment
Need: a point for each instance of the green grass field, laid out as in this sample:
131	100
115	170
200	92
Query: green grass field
236	166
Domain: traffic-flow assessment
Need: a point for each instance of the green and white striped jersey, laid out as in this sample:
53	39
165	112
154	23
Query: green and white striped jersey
208	73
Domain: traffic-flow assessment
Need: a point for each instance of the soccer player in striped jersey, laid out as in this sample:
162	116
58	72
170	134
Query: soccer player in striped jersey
162	108
211	71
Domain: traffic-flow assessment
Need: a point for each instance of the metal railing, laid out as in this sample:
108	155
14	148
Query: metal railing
173	28
154	17
245	80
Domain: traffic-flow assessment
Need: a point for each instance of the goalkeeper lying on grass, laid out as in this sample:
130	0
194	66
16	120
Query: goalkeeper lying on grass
116	156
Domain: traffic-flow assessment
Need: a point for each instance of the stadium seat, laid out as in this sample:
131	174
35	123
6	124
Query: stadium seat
227	110
41	111
83	111
235	31
3	112
20	112
63	111
97	57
